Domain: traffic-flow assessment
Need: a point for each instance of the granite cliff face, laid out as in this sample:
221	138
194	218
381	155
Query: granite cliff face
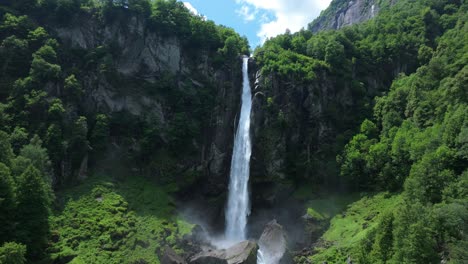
345	13
142	59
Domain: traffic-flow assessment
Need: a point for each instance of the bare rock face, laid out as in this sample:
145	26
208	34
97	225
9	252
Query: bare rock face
348	12
242	253
83	172
170	257
145	62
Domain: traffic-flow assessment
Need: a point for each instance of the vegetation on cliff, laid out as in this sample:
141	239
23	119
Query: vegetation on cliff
412	138
377	111
49	133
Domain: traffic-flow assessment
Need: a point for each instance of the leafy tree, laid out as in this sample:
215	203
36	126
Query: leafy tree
15	25
72	88
100	133
37	37
43	66
334	53
66	10
353	162
38	157
79	141
18	138
7	205
142	7
413	240
425	54
430	176
55	147
383	243
15	61
56	111
6	153
33	211
458	189
24	5
13	253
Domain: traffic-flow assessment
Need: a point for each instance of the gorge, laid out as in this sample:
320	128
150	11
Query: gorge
137	132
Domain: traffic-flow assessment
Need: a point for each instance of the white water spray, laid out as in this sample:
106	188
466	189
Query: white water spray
238	207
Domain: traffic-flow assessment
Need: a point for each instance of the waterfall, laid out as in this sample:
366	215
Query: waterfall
238	207
260	259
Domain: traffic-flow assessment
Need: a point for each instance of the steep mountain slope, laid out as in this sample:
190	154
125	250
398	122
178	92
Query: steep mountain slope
122	88
315	91
114	114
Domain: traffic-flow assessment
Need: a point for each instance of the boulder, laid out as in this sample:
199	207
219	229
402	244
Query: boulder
273	244
170	257
242	253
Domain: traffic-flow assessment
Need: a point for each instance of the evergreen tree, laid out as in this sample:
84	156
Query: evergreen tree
33	211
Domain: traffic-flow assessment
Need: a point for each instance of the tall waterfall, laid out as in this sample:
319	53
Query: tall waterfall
238	207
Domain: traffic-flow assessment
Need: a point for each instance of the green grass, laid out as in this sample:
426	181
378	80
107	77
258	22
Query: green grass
327	207
109	221
348	229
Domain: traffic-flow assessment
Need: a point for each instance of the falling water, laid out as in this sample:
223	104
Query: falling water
260	258
238	207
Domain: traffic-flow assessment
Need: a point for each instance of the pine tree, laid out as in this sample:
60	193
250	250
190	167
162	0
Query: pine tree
33	211
7	204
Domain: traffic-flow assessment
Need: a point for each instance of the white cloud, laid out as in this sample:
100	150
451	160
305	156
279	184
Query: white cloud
247	13
289	14
191	8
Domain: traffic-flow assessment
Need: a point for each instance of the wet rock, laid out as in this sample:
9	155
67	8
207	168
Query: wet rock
273	244
242	253
170	257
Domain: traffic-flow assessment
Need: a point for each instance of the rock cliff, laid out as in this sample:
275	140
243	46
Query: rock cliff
145	79
343	13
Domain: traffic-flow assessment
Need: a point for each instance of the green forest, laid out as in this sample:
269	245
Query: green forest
90	172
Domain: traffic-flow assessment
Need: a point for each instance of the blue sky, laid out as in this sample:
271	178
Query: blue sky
259	19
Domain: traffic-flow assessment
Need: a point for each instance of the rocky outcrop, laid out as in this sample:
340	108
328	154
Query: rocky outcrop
343	13
142	53
273	244
83	171
170	257
242	253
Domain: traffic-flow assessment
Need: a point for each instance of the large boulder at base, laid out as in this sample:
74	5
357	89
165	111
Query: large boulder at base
242	253
273	244
170	257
